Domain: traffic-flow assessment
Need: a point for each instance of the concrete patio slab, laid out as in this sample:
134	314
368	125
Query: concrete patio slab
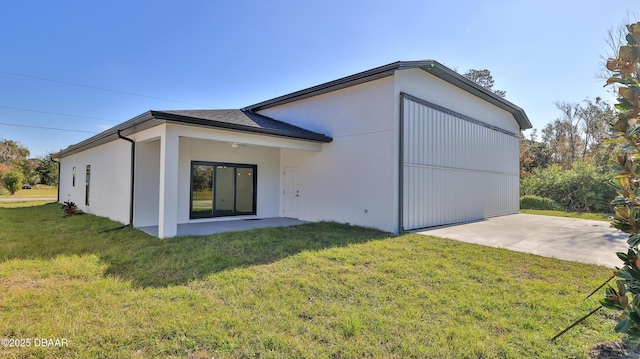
573	239
204	228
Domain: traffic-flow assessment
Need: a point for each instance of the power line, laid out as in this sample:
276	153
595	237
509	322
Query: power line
100	88
41	146
46	128
56	113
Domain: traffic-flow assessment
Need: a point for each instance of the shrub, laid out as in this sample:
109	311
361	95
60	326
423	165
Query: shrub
69	208
537	202
583	187
13	181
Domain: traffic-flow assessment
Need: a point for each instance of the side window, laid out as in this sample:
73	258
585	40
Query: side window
73	180
88	180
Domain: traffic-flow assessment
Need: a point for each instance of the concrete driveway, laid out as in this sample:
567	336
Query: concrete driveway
578	240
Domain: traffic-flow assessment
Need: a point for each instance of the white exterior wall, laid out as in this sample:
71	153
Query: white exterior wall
147	186
110	180
351	180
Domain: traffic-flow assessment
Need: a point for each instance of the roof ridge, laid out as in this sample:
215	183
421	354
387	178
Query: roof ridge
430	66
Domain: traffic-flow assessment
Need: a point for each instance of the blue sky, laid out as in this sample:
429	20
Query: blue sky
212	54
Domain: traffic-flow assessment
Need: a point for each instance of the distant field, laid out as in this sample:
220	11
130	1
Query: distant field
39	191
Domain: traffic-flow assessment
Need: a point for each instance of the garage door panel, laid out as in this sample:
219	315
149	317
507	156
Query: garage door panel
436	196
455	169
441	139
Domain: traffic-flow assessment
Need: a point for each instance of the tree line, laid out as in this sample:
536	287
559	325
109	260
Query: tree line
17	167
566	164
580	133
568	161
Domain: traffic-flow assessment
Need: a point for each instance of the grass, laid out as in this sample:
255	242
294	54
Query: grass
581	215
24	203
316	290
39	191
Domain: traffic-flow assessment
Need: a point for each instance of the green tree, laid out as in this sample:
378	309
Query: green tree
580	132
533	154
29	170
13	181
12	153
484	79
563	135
13	156
4	169
597	117
48	171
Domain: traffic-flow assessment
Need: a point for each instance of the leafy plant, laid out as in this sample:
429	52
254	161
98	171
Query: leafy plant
626	131
13	181
581	188
537	202
69	208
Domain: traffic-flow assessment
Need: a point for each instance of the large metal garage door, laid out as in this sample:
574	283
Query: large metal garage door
454	168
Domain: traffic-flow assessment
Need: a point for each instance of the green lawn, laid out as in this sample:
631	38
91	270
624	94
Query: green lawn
317	290
39	191
581	215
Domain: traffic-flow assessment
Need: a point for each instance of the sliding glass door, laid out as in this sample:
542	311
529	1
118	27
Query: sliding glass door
222	189
201	190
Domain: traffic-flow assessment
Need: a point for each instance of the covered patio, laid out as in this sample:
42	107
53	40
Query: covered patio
205	228
200	168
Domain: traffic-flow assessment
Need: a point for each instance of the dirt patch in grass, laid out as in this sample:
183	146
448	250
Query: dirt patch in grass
20	281
199	355
616	349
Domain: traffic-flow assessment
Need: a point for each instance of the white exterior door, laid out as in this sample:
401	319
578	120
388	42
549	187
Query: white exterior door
291	193
455	168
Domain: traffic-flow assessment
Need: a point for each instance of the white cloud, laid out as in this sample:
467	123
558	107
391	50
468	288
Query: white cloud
104	127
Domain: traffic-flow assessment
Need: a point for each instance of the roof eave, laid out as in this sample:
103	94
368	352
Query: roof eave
355	79
104	136
134	124
433	67
180	119
471	87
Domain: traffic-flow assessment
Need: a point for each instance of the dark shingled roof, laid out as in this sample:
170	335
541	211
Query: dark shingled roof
248	121
234	120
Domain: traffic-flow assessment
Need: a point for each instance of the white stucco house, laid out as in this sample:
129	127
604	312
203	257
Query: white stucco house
398	147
